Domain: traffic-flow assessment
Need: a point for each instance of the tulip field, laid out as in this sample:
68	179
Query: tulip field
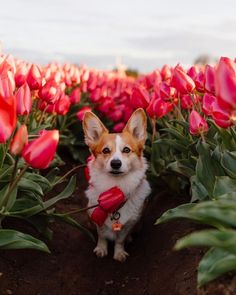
191	147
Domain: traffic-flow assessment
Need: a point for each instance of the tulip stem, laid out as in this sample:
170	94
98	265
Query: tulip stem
42	116
68	173
153	121
80	210
203	137
14	170
13	185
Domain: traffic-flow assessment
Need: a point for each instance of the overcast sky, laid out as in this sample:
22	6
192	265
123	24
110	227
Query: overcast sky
144	34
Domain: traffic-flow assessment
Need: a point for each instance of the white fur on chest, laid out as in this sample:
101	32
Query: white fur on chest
135	187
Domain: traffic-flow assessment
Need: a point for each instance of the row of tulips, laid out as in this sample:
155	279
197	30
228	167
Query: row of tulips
191	143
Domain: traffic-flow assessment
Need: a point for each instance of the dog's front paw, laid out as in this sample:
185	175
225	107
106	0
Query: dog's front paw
120	255
101	251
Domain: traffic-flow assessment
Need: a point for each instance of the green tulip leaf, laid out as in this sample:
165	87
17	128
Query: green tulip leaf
12	239
224	185
215	263
225	239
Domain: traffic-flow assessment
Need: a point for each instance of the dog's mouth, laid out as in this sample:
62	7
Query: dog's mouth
114	172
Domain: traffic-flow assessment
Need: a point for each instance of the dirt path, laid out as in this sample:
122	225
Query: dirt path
72	268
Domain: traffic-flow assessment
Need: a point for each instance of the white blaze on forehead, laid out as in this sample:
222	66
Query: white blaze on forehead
118	141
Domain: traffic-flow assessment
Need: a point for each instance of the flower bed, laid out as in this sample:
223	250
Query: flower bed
191	144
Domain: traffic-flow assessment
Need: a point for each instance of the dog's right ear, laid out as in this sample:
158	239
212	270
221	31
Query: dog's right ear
93	128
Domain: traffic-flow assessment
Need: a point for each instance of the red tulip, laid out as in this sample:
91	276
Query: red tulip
181	81
115	115
197	123
210	79
186	102
46	107
167	92
109	202
139	97
62	106
40	152
166	73
95	95
23	100
158	108
50	92
86	169
225	83
6	86
82	111
207	104
221	117
106	104
75	96
119	127
7	117
21	74
99	216
19	141
34	78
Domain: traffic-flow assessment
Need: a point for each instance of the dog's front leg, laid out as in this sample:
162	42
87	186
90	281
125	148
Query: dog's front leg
119	251
101	248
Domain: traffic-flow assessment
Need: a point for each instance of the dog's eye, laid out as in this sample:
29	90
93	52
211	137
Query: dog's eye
126	150
106	150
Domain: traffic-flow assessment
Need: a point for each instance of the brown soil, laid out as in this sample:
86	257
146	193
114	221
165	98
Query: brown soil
72	268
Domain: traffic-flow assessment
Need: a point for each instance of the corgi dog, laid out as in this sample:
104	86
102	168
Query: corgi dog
117	161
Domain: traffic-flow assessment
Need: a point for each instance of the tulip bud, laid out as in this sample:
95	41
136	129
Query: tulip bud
62	106
34	78
167	92
7	117
119	127
82	111
197	123
139	97
21	74
23	100
210	79
111	199
225	83
207	104
19	141
158	108
181	81
40	152
75	96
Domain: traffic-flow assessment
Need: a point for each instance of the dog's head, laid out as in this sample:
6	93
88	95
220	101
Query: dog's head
116	153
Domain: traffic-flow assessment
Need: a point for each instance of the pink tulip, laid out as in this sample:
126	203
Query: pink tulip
7	117
23	100
210	79
40	152
75	96
19	141
140	97
82	111
34	78
197	124
158	108
181	81
225	83
207	104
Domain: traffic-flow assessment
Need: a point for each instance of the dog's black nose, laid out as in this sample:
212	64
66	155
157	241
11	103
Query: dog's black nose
116	164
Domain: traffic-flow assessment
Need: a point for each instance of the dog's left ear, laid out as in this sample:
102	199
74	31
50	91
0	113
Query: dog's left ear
137	125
